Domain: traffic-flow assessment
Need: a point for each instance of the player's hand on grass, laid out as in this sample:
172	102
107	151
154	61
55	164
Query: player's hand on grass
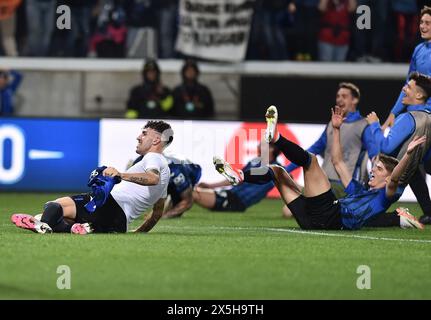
337	117
415	142
372	117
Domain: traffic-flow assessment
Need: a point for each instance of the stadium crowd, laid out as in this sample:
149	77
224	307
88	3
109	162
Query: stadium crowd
301	30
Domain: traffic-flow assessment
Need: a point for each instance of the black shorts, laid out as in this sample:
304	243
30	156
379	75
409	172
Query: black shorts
226	200
106	219
320	212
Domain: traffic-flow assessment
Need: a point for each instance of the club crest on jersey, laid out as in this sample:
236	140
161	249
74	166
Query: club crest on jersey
94	174
180	179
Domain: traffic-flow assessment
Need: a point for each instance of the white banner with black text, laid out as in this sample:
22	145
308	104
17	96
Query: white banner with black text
214	29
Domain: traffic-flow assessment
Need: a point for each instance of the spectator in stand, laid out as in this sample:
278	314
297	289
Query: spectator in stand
150	99
141	13
109	41
306	26
40	19
274	14
407	28
256	44
334	33
372	45
168	23
9	83
7	26
191	98
75	42
141	27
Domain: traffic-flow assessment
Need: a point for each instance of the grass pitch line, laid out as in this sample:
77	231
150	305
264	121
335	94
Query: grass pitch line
314	233
342	235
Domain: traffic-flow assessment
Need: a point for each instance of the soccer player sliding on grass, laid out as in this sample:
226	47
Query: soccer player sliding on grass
116	198
317	207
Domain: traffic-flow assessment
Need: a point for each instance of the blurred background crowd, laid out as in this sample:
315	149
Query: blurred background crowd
298	30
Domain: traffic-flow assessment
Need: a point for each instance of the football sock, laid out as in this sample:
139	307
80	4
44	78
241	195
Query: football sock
293	152
384	220
261	176
53	216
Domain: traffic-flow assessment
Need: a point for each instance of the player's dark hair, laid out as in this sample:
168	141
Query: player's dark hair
354	90
389	162
425	10
163	128
422	81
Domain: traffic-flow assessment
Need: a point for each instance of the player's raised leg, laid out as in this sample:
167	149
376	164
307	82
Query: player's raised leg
233	175
315	180
204	197
271	117
288	188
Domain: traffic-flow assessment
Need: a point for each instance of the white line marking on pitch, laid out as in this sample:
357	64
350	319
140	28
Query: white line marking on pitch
315	233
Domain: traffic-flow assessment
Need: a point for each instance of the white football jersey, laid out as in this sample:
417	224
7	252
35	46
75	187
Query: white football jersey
135	199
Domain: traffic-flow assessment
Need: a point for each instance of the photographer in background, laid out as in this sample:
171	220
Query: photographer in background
9	83
150	99
192	99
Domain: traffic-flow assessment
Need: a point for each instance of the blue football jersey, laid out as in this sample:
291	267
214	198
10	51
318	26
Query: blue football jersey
184	175
101	187
361	204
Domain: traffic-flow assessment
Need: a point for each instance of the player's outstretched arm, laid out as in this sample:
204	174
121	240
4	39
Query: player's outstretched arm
336	151
182	206
389	121
213	185
149	178
392	186
154	217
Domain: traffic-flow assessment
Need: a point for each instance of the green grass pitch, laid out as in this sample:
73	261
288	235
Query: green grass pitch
204	255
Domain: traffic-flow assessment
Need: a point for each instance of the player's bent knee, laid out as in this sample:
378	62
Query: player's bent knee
278	171
314	163
68	207
313	159
52	212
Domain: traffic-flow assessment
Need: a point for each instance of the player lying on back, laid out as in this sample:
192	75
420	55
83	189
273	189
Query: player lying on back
240	197
317	207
